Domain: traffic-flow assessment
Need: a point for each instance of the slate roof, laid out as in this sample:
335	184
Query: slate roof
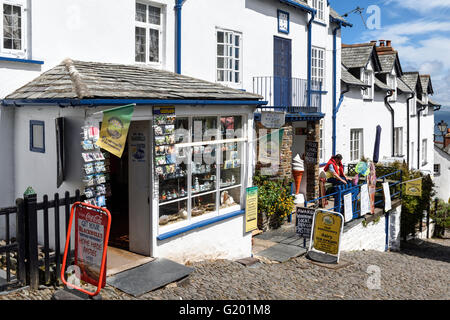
351	80
387	62
94	80
337	16
401	85
431	102
301	2
426	83
356	56
410	78
381	85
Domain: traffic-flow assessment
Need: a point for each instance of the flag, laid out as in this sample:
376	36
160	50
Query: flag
114	130
414	188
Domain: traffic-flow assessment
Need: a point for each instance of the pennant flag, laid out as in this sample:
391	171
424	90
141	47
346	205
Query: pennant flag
414	188
114	131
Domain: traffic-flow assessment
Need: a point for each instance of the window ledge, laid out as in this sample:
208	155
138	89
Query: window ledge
21	60
199	224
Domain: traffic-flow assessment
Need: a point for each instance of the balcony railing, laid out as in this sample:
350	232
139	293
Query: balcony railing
289	94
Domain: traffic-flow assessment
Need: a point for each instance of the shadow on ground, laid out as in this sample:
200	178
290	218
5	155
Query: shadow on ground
428	249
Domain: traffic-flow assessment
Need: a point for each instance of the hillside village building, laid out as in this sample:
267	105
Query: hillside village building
253	56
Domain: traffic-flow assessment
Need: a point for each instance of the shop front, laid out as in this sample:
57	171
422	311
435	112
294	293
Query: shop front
177	189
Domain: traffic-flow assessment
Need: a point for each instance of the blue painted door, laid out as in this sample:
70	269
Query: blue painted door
282	72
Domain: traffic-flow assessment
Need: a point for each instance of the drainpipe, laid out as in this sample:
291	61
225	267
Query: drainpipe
178	6
313	14
386	102
418	135
335	107
407	126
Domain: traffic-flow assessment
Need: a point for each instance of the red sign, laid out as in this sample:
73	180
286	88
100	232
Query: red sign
92	225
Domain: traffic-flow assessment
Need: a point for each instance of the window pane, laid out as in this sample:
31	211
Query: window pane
204	129
220	37
236	65
173	212
141	12
140	45
220	50
236	53
220	75
154	15
231	127
38	136
236	41
203	204
230	164
220	63
230	197
154	45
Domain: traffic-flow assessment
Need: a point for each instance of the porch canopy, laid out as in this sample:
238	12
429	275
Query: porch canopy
80	83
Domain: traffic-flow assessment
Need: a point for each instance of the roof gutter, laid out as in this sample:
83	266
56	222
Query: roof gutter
113	102
299	6
388	105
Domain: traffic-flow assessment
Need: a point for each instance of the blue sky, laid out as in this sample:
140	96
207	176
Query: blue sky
419	30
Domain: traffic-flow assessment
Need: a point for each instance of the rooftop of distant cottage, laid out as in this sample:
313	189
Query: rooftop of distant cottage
351	80
356	55
74	79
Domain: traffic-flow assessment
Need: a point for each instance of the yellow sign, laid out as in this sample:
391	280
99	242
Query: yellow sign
327	230
251	209
414	188
114	131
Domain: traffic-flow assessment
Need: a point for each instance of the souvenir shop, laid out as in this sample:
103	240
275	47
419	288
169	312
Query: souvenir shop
178	190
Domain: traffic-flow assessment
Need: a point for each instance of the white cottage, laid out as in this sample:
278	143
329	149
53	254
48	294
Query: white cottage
194	211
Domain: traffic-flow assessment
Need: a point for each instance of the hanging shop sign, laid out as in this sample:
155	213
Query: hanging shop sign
414	188
326	237
304	221
273	120
387	196
114	131
92	226
251	209
311	149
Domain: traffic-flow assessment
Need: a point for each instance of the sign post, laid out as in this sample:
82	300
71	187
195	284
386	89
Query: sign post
251	209
324	245
92	225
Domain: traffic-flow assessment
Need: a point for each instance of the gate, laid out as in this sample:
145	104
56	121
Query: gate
28	261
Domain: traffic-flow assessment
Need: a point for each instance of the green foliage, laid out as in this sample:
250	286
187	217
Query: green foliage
441	214
274	197
413	206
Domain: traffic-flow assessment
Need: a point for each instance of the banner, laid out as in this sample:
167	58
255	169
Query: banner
414	188
251	209
114	131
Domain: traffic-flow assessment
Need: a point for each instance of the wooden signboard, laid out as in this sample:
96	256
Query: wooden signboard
251	209
304	221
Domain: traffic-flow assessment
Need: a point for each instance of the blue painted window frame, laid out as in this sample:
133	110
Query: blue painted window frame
278	19
37	123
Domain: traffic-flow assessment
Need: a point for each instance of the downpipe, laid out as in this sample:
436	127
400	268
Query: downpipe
407	127
391	110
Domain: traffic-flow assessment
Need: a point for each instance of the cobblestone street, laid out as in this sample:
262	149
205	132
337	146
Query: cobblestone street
420	271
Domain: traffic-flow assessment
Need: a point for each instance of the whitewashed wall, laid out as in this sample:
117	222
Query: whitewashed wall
442	181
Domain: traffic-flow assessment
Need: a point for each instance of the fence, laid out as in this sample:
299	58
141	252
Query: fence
394	177
36	263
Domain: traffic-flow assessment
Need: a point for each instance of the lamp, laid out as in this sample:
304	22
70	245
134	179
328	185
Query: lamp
442	126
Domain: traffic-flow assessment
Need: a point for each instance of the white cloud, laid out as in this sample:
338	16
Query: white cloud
420	5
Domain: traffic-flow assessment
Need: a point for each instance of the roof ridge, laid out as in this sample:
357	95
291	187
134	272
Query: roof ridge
343	45
81	89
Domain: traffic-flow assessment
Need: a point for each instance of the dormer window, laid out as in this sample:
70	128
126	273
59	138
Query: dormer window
392	83
367	78
320	7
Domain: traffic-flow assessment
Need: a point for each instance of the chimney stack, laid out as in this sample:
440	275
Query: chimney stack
447	138
381	43
388	43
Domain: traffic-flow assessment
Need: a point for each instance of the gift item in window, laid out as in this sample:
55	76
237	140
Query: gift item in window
101	201
98	156
234	155
87	145
88	168
226	200
100	178
228	182
89	192
160	150
159	171
170	159
228	164
169	129
202	209
160	140
88	157
91	202
101	190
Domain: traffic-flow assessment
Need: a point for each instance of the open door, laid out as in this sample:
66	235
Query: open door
139	187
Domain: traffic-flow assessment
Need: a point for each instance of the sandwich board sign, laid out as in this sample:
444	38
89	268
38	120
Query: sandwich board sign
325	241
92	225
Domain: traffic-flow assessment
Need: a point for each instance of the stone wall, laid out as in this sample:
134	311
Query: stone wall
312	170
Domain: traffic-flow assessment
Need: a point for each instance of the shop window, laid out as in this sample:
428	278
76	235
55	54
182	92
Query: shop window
37	136
148	33
229	62
207	179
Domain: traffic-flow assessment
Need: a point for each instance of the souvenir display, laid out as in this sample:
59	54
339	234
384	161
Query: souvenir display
94	168
230	173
